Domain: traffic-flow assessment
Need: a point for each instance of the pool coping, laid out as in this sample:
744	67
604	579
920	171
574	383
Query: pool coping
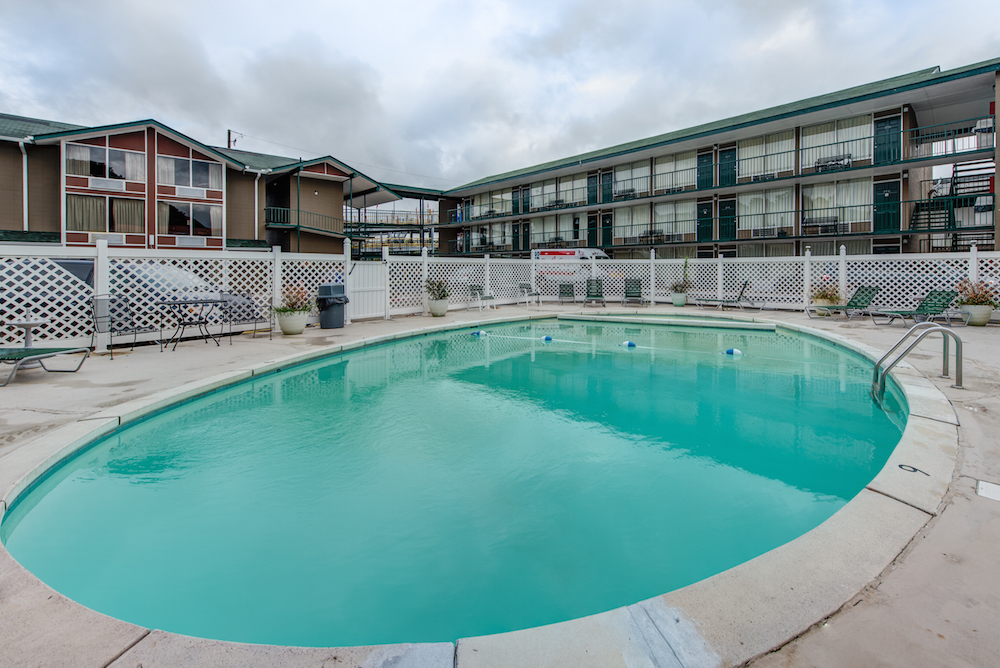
724	620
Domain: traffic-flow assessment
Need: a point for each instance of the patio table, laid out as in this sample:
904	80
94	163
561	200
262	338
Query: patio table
191	311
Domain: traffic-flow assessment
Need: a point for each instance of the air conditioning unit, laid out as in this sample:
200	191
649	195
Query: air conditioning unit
192	242
112	239
107	184
191	192
673	237
764	232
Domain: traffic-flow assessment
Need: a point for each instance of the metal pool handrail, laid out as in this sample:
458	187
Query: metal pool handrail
878	379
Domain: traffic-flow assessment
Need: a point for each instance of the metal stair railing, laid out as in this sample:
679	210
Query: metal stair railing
921	330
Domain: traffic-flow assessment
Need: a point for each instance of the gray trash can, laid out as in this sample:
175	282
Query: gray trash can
330	301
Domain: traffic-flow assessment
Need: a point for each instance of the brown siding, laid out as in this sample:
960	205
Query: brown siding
329	201
43	189
239	205
11	205
315	243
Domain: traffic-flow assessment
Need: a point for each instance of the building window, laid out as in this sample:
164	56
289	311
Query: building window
767	209
672	218
86	213
104	163
766	157
185	172
837	143
838	203
632	179
187	219
675	172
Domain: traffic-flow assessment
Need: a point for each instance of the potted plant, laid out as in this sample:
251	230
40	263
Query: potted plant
977	300
826	295
678	291
293	312
437	297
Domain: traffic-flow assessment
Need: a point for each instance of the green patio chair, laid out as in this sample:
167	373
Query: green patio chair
481	299
933	305
595	292
20	357
856	305
633	292
741	301
525	292
567	291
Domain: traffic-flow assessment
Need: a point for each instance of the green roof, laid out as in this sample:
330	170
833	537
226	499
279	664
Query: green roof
20	127
897	84
257	160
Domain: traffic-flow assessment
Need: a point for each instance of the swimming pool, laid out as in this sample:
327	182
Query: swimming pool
455	485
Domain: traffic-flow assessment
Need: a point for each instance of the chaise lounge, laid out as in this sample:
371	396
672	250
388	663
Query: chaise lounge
19	357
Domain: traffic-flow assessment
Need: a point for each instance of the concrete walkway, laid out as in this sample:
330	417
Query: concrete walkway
938	604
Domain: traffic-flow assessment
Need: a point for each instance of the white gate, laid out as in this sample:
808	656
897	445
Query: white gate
367	290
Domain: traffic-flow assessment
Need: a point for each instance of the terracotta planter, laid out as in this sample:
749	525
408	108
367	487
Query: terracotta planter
978	315
293	322
438	307
679	298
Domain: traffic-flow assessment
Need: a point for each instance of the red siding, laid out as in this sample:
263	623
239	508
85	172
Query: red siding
94	141
167	146
133	141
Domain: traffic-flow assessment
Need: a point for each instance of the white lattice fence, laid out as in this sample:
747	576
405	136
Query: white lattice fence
458	275
147	281
406	286
309	273
36	288
506	278
773	282
704	278
824	272
989	273
615	272
550	275
904	279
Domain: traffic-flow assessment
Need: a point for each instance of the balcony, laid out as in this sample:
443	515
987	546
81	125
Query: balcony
317	223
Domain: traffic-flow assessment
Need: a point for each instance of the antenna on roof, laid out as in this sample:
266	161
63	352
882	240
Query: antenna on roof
231	139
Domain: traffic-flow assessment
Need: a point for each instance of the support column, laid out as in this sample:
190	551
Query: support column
974	263
386	276
842	283
487	288
423	275
720	279
276	276
102	286
652	275
806	277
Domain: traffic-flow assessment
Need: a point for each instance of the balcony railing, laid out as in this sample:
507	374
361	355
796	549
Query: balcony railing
305	220
937	215
932	141
375	218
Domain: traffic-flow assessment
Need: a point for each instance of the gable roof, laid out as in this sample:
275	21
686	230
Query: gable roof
917	79
20	127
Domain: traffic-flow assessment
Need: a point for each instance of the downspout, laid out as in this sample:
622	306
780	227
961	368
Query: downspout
24	183
256	198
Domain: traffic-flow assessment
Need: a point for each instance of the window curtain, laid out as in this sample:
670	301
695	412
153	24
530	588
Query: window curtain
536	195
623	222
818	142
127	215
858	246
566	188
685	165
818	199
548	228
854	200
215	176
564	228
623	178
686	216
162	217
750	157
779	250
86	214
663	173
663	218
216	213
750	250
854	136
750	209
780	153
77	160
640	176
822	247
505	199
779	206
640	219
579	188
165	172
549	192
135	166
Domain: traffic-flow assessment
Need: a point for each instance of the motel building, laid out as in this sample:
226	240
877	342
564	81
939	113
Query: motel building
903	165
142	185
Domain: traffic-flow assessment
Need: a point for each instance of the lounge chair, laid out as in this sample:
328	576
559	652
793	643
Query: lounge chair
567	291
112	314
935	304
19	357
595	292
241	309
741	301
528	295
856	305
476	295
633	292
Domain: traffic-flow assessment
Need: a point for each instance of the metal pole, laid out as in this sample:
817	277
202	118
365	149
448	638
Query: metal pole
298	209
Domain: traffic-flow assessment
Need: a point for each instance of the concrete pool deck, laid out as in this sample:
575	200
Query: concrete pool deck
903	575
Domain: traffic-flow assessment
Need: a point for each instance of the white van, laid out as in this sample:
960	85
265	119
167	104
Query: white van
563	254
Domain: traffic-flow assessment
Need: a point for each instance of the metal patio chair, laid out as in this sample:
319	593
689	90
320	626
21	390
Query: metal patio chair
741	301
526	293
935	304
112	314
481	299
633	292
595	292
567	291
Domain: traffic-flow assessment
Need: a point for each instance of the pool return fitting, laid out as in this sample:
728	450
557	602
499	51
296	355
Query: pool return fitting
925	328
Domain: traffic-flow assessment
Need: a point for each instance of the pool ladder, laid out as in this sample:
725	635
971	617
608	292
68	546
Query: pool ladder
920	330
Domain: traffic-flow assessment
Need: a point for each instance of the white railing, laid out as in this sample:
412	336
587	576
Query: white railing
43	282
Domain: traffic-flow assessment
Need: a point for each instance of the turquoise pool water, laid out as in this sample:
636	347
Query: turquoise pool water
456	485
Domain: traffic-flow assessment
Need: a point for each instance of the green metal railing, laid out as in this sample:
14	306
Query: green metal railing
306	220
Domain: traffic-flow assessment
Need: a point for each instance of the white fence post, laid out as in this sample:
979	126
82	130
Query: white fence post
423	278
720	280
386	275
842	284
487	289
348	268
652	275
276	276
102	286
974	263
593	267
806	276
534	277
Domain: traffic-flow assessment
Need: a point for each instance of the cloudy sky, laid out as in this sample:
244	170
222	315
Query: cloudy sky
442	92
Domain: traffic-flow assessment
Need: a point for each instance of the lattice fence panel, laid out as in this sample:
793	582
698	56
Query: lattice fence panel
550	275
668	272
148	281
252	278
39	289
406	289
458	275
310	274
773	282
823	273
506	277
615	272
704	278
905	280
989	273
